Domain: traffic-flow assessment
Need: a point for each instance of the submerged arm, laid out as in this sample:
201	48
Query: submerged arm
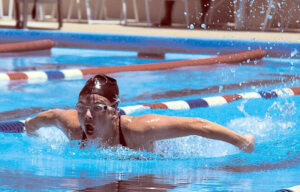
157	127
66	120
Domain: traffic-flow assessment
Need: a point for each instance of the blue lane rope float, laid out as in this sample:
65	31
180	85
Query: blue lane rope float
18	126
12	127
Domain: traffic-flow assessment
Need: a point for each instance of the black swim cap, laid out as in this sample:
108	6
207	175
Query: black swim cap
104	86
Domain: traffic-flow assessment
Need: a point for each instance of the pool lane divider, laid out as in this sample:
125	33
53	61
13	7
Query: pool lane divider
41	76
18	126
212	101
37	45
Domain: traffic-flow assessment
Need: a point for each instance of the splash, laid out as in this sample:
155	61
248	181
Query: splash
52	143
192	147
279	119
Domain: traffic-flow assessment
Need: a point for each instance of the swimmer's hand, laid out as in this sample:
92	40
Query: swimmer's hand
248	144
29	129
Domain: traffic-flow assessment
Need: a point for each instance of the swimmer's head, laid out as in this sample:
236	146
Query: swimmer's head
104	86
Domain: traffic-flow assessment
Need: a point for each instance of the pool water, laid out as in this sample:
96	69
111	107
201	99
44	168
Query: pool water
51	163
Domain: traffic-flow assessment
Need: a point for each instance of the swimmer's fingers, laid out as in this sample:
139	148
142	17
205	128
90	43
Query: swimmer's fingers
29	130
248	144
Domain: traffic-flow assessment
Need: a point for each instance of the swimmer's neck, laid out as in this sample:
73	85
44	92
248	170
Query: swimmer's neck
104	142
111	140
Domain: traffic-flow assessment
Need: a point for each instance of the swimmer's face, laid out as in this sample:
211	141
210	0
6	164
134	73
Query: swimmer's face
96	117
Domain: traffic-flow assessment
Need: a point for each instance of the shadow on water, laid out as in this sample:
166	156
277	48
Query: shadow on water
25	112
261	167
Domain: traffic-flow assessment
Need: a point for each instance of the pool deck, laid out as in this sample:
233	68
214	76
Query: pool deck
177	31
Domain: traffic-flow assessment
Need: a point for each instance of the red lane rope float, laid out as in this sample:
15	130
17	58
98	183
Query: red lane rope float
27	46
231	58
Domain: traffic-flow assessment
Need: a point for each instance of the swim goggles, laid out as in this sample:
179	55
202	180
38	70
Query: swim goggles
98	108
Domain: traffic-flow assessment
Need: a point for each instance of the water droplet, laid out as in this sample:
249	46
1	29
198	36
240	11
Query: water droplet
220	88
279	5
294	52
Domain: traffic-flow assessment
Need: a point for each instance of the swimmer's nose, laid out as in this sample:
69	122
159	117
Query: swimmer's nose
88	115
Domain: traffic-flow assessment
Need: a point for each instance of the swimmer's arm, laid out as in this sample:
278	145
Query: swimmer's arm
66	120
157	127
43	119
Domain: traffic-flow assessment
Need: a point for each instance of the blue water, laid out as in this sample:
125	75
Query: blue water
51	163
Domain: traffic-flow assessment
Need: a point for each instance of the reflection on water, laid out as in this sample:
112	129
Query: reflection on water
263	166
140	183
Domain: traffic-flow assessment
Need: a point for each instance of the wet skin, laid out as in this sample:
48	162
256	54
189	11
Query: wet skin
139	132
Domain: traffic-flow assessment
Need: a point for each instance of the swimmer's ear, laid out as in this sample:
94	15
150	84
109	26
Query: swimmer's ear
114	115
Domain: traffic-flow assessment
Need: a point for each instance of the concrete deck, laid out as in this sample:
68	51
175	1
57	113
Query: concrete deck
177	31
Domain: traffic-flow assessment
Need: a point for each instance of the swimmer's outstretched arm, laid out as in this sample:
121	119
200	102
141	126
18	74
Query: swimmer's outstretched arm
157	127
66	120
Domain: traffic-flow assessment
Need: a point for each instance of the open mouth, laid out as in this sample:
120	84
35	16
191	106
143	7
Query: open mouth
89	129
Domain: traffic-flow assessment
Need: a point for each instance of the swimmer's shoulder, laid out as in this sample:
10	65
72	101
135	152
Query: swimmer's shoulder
67	119
125	121
67	116
133	129
136	123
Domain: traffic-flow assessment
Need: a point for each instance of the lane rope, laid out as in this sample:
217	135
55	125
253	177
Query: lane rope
71	74
27	46
212	101
18	126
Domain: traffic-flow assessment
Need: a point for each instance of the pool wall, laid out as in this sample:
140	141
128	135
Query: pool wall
152	44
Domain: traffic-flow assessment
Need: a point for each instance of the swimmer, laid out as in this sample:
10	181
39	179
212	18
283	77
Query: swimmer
96	118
